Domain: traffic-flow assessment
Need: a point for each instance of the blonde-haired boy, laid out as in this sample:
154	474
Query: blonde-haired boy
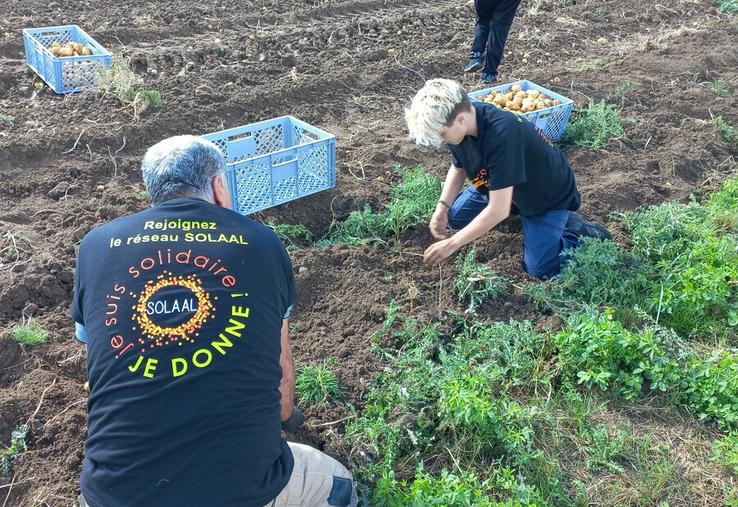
509	162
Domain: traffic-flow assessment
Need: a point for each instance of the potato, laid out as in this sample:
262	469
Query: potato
509	96
533	94
556	102
86	51
516	88
520	94
66	51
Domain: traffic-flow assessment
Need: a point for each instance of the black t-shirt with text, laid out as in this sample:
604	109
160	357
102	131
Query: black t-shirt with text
183	305
510	151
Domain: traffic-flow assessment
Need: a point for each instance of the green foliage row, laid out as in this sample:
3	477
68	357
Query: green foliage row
412	202
598	351
681	271
455	395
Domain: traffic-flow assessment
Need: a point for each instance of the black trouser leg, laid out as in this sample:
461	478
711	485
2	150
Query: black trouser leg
502	19
484	9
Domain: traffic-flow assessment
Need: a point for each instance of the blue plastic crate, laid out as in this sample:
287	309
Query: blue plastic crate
552	120
276	161
64	75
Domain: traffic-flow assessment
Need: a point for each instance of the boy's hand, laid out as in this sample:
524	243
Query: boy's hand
438	251
439	222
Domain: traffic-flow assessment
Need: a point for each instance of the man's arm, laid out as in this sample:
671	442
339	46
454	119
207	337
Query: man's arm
496	211
451	187
287	384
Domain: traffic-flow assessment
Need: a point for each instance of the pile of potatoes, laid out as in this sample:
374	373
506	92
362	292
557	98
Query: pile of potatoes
519	101
69	49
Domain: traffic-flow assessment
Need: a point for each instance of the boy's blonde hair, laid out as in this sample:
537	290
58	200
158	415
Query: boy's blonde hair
432	108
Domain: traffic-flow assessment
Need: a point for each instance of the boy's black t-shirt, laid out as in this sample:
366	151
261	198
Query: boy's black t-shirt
510	151
183	305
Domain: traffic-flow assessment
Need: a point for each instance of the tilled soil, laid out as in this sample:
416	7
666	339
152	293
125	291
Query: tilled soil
349	67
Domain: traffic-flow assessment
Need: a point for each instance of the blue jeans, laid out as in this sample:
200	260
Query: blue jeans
494	18
544	236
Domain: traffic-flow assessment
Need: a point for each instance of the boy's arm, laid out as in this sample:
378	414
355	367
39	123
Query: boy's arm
451	187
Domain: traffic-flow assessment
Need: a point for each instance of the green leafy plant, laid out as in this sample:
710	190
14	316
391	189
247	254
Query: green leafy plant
604	448
6	120
619	92
728	131
291	234
598	351
128	87
17	446
596	273
725	452
594	126
318	384
29	333
729	6
477	283
720	88
412	202
695	264
711	387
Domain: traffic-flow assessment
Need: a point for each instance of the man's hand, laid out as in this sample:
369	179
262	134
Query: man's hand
295	420
439	222
439	251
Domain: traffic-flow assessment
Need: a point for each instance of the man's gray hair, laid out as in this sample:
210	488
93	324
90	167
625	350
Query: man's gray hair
181	166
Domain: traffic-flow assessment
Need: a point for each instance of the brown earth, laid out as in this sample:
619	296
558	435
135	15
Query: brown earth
348	66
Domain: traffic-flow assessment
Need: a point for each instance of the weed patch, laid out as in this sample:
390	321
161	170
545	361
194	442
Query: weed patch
594	126
728	131
318	384
292	235
29	333
477	284
128	87
412	202
720	88
729	6
17	446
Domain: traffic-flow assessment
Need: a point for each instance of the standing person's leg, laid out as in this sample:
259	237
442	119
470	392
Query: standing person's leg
317	480
467	205
545	237
484	10
502	19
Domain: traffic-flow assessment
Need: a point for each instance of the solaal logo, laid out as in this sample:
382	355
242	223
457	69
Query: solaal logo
171	310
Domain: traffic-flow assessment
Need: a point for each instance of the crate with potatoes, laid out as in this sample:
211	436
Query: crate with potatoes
65	57
548	110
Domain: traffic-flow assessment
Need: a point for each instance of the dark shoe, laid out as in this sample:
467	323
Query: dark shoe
583	228
488	78
474	64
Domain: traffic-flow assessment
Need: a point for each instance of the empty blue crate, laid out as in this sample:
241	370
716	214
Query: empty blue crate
64	74
551	120
276	161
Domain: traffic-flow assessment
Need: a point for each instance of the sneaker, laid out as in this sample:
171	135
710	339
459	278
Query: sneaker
583	228
475	63
488	78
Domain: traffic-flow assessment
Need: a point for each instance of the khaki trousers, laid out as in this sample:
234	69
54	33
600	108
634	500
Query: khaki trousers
316	481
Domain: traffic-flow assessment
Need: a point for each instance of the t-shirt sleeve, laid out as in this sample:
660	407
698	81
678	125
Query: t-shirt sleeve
291	292
506	159
455	160
76	310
